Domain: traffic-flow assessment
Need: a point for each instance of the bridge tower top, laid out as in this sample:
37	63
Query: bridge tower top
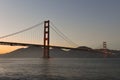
46	38
105	50
104	45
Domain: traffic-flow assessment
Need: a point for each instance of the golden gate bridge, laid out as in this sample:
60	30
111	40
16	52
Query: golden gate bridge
46	40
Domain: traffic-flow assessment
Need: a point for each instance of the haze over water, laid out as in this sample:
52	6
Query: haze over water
59	69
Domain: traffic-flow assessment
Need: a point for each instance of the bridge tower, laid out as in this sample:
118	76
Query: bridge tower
46	39
105	50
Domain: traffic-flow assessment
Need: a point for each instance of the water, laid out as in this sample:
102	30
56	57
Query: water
59	69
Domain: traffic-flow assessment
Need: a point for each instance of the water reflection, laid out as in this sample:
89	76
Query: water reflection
46	67
48	72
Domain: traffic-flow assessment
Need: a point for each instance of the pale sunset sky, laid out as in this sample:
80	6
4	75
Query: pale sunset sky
85	22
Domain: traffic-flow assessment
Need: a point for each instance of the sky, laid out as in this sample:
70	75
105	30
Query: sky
85	22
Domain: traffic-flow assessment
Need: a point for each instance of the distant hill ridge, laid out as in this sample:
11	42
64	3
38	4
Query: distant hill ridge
37	52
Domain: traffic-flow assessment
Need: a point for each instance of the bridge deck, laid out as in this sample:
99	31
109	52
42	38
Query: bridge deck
27	44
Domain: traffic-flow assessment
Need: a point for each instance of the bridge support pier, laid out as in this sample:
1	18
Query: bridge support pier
46	39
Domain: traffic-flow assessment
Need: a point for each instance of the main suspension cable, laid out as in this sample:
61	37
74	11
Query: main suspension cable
21	31
62	35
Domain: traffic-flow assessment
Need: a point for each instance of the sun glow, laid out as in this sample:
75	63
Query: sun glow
7	49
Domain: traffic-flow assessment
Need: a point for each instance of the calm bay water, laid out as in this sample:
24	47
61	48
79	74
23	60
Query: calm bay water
59	69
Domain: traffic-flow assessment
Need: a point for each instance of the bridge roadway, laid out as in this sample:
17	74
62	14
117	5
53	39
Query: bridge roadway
27	44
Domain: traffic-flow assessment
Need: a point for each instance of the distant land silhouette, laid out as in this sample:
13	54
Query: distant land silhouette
37	52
